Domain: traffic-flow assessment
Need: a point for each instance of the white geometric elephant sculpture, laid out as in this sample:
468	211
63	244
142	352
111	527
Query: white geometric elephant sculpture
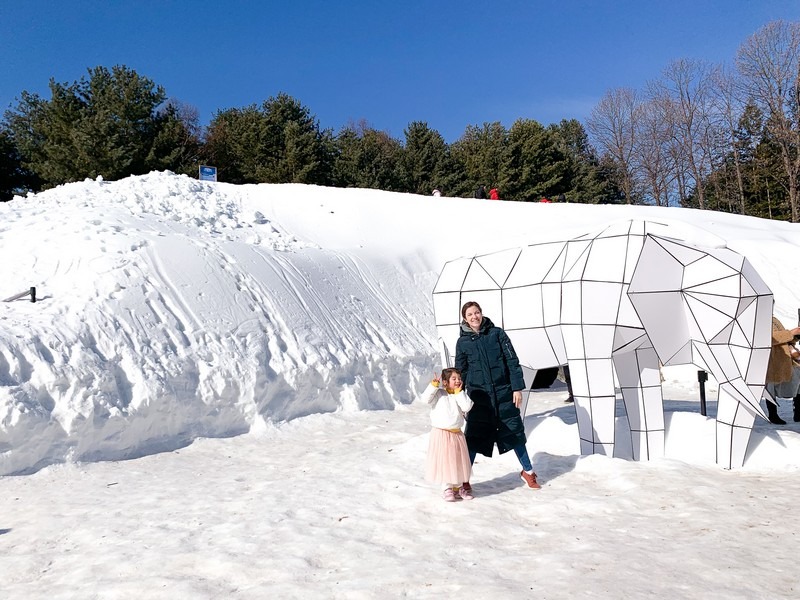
623	300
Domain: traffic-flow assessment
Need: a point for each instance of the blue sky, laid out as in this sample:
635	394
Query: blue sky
449	63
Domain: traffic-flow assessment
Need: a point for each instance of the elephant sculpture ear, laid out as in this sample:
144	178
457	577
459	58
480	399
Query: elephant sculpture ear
655	291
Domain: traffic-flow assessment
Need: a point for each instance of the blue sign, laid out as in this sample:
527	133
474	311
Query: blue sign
208	173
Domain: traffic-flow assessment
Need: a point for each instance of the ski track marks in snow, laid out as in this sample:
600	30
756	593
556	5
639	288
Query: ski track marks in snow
170	314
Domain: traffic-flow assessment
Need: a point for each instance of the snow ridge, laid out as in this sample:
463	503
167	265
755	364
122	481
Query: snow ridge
170	309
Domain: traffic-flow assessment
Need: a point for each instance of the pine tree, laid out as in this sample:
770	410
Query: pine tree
233	144
280	142
425	158
14	179
368	158
110	124
536	166
482	153
584	181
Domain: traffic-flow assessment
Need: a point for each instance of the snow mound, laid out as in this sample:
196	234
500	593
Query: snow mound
171	308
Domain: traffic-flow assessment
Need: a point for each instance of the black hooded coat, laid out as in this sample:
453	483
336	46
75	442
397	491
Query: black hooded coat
490	369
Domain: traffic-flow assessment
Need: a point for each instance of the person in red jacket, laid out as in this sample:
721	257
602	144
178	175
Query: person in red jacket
494	194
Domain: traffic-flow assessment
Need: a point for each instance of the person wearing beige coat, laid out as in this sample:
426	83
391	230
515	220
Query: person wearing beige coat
783	368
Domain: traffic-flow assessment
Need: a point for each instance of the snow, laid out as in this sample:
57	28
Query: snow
215	397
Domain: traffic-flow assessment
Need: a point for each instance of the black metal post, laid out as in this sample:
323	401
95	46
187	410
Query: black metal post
33	294
702	377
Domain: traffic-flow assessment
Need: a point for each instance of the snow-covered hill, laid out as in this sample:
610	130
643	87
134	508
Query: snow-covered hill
170	308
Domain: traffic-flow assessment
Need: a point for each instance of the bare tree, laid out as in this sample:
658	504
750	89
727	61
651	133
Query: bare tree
687	83
652	153
613	125
769	65
716	147
730	106
664	106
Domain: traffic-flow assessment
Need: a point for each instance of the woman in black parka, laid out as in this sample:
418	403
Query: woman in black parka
493	380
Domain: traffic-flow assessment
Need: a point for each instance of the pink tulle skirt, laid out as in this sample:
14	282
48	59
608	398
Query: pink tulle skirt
448	457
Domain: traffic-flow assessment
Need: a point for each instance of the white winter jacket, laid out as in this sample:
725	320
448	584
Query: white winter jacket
447	410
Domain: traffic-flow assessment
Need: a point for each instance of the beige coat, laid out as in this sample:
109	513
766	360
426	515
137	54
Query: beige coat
779	368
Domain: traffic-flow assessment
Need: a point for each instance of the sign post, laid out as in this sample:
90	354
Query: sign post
31	291
208	173
702	377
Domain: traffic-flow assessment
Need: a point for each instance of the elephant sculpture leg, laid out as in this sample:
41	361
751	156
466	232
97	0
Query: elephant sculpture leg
734	425
640	381
595	404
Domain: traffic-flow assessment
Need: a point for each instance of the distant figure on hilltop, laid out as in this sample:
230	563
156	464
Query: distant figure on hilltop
494	194
481	192
437	193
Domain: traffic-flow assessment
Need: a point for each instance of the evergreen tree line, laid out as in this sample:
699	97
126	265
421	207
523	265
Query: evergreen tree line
700	135
114	123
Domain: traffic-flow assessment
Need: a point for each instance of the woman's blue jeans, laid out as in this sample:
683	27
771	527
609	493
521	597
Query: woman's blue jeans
522	454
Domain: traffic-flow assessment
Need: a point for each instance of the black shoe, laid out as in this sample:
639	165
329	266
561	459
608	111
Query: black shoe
570	399
772	413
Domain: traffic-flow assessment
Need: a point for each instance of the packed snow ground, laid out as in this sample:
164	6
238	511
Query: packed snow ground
260	348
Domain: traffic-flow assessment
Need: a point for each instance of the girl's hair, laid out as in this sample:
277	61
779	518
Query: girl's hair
469	305
446	373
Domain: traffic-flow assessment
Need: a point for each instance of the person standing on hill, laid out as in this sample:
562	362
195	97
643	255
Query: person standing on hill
494	194
493	379
481	192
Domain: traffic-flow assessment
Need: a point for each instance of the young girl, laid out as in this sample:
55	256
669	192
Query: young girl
448	459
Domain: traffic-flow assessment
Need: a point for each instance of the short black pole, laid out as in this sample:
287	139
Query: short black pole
702	377
33	294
